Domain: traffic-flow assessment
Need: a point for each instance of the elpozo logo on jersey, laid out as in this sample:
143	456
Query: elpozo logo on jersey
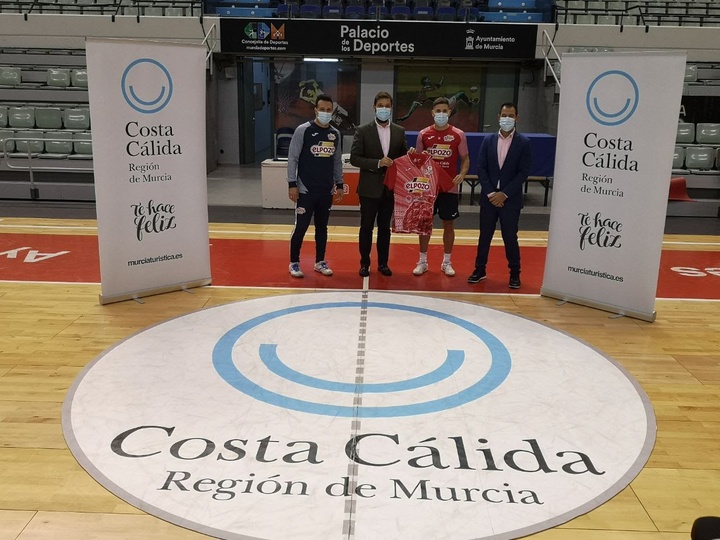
440	151
324	149
390	415
418	184
146	85
612	98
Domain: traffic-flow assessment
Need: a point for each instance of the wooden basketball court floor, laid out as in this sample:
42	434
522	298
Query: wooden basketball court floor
51	329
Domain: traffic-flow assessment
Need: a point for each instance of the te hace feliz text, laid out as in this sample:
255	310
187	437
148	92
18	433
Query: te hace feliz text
150	140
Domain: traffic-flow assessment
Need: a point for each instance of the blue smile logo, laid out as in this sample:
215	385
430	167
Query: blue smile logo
612	98
498	372
146	85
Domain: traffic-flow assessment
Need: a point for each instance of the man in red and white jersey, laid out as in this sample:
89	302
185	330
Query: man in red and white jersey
447	145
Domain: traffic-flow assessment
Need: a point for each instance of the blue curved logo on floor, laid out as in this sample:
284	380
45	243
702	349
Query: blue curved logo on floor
499	369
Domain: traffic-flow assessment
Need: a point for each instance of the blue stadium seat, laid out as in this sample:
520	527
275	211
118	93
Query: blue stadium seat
332	11
470	14
511	4
446	13
285	11
310	11
423	13
355	12
374	10
400	12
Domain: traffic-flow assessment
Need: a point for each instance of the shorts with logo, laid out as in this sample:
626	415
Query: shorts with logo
446	206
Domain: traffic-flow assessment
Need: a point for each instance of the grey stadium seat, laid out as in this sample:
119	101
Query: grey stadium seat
685	133
701	158
706	133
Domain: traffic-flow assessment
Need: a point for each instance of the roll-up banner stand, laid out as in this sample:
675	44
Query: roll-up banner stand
616	138
147	105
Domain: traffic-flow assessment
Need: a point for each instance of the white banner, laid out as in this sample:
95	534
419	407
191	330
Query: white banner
147	104
616	137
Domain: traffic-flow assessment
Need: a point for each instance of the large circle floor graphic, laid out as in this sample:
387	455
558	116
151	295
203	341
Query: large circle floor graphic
358	415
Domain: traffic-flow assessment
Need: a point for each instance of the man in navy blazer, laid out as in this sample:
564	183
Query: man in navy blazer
503	167
375	146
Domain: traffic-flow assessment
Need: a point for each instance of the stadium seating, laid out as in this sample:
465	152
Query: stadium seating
10	76
76	119
3	116
78	78
9	145
679	157
82	146
706	133
58	77
29	141
701	158
21	117
58	145
685	133
48	118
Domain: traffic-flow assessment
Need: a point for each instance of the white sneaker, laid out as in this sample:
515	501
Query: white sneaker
447	269
295	270
420	269
323	268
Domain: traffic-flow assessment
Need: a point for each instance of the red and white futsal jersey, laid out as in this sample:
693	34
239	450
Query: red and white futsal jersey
446	146
416	180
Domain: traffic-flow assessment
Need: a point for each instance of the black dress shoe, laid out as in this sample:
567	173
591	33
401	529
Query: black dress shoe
477	276
384	269
364	271
514	281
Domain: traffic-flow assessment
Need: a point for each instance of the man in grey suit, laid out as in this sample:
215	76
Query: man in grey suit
375	146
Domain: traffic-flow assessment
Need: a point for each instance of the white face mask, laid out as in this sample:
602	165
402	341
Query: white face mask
441	119
507	123
324	118
383	113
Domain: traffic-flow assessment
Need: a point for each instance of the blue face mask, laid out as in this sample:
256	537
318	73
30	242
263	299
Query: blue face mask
441	119
324	118
507	123
383	113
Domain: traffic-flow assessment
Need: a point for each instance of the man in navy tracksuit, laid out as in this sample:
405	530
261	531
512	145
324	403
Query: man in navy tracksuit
314	169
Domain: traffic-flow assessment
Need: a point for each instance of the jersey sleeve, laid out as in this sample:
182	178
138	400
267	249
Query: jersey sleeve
419	146
445	181
463	146
390	176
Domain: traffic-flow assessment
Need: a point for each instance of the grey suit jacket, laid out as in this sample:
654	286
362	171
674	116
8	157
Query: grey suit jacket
366	152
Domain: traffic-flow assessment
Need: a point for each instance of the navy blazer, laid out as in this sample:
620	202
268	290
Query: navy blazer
513	174
366	152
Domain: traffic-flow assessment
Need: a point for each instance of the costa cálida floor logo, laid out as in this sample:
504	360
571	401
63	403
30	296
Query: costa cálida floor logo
358	415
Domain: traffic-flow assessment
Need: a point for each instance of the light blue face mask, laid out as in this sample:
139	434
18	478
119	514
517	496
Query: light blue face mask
441	119
383	113
507	123
324	118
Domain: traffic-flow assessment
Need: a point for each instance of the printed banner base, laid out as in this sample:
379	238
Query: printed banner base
649	317
110	299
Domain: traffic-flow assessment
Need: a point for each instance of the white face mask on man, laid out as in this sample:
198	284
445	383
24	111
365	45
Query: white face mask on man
324	117
441	119
383	113
507	123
